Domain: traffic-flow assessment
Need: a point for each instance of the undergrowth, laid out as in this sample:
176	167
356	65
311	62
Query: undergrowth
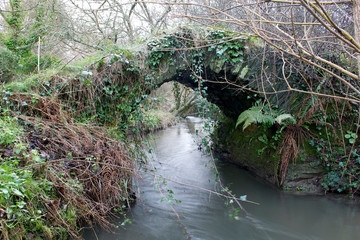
57	173
61	167
329	127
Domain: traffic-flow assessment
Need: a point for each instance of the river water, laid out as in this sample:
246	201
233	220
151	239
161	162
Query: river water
172	203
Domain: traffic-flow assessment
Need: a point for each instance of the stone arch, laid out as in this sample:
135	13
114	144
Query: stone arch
220	74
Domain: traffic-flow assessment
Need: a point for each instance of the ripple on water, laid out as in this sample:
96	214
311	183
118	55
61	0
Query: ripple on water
204	216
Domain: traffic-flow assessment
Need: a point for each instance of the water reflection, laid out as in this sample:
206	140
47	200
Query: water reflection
201	215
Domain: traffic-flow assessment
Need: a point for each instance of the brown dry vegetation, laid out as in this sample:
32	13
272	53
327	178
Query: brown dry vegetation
89	167
102	166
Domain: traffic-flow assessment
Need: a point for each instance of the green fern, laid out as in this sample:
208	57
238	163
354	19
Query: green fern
254	115
283	118
259	114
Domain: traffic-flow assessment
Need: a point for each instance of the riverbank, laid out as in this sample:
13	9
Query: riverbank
57	174
67	152
258	150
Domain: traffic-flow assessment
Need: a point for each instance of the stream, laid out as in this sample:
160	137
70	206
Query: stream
172	203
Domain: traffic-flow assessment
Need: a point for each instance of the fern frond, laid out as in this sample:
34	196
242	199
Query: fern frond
248	117
265	119
285	117
254	115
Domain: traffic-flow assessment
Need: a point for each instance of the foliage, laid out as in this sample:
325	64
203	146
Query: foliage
229	47
118	94
17	58
108	92
29	64
342	168
21	199
10	131
289	133
351	136
35	83
51	183
262	114
315	121
14	19
225	47
8	64
177	94
167	47
23	191
16	39
12	65
91	156
155	119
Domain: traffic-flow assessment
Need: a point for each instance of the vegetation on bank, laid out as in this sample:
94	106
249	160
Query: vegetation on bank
65	155
323	130
56	174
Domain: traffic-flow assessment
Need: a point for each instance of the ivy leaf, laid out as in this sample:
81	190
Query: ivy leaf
4	190
17	192
221	51
21	204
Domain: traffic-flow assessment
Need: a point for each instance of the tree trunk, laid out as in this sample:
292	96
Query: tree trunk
185	107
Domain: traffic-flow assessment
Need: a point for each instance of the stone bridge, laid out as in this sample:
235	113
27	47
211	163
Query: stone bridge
226	67
219	66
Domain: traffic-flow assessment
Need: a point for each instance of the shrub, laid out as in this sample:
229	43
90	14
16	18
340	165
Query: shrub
8	63
10	131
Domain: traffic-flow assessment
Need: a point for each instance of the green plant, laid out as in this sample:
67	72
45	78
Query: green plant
225	47
8	65
18	38
170	198
289	133
10	130
351	136
342	168
22	196
262	114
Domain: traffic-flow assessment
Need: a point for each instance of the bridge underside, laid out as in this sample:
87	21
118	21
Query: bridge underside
230	99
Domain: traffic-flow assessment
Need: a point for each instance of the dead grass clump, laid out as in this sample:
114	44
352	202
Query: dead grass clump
90	171
294	135
289	150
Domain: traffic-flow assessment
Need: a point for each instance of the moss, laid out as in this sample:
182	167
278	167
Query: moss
39	82
246	149
249	150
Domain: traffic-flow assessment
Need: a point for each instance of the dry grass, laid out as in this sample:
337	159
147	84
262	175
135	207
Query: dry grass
81	153
295	134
